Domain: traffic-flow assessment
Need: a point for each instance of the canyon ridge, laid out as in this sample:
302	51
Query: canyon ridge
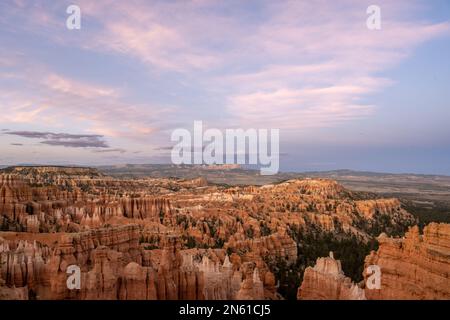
173	238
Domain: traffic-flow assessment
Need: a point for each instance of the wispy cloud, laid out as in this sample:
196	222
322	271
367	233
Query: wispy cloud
113	150
312	60
54	98
294	65
64	139
306	63
76	88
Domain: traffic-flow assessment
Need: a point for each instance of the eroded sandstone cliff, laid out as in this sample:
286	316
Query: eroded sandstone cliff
168	238
326	281
414	267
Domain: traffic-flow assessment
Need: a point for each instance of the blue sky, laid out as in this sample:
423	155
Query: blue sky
342	96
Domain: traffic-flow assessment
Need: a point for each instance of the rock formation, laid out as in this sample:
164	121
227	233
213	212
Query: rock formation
326	281
414	267
158	238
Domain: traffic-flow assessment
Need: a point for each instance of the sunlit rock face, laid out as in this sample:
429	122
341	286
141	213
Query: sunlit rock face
326	281
163	238
414	267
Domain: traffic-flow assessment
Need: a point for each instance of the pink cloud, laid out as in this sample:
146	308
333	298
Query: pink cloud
300	64
72	87
327	62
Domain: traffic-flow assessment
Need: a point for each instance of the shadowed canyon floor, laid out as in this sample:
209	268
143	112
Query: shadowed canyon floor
135	237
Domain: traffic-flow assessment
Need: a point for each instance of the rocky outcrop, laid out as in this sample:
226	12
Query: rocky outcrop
326	281
152	238
99	253
114	266
28	206
415	267
322	188
273	246
251	288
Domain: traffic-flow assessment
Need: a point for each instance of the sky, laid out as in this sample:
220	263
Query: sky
342	96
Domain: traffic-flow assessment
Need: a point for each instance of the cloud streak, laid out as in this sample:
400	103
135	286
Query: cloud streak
64	139
119	150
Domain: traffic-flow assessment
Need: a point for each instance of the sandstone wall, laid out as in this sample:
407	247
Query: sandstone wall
416	267
326	281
